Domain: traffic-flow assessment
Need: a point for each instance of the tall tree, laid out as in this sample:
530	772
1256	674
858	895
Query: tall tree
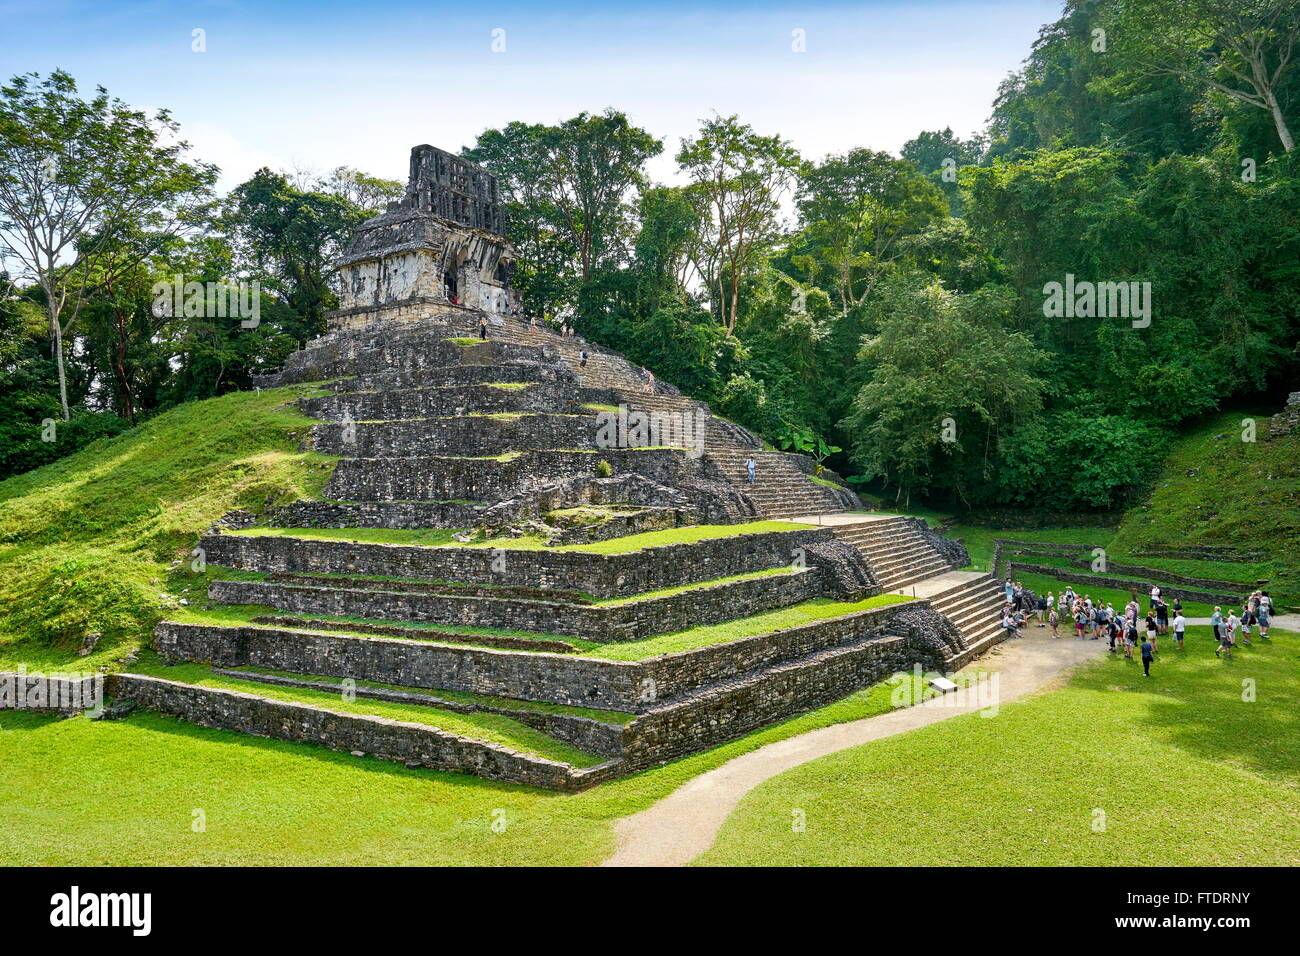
1241	48
569	191
863	206
738	179
74	174
291	237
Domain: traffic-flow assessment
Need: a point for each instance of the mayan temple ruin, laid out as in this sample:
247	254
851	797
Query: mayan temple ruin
596	569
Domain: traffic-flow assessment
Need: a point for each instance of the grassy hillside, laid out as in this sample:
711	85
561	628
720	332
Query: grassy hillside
87	543
1216	489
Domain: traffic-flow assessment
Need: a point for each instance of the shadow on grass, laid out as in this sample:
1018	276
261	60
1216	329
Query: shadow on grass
1205	704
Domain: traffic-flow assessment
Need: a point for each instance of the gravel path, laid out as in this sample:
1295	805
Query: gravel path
686	822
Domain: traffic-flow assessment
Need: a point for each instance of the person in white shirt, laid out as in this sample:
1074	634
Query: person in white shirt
1180	625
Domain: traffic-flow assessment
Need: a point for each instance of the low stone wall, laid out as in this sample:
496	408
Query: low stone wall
339	355
517	369
626	686
600	575
374	514
592	736
620	622
410	743
1203	553
1158	575
1121	584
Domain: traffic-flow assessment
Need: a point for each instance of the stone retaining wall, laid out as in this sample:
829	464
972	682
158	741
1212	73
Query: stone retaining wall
1120	584
600	575
410	403
516	370
374	514
736	709
621	622
592	736
461	435
1158	575
626	686
493	479
410	743
342	355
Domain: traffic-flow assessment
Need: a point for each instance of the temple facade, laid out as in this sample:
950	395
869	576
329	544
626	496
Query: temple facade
440	249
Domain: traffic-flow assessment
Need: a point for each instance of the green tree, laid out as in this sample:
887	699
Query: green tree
290	238
75	174
737	180
862	208
569	192
1244	49
948	384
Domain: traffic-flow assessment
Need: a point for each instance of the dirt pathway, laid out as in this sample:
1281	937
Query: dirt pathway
685	823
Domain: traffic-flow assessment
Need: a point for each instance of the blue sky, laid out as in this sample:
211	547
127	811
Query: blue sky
320	84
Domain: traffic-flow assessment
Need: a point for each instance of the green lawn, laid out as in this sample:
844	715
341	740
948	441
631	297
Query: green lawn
1178	767
818	609
79	792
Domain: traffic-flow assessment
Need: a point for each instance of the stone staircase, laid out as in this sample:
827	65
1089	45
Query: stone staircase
896	551
905	562
973	601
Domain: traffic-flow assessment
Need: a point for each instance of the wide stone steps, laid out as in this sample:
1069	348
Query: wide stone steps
975	609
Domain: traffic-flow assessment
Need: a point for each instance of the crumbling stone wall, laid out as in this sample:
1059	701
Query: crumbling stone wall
410	743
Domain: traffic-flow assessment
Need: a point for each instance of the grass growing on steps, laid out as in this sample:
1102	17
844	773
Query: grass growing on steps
818	609
490	728
84	539
444	538
694	586
806	612
313	806
1187	769
233	615
460	697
